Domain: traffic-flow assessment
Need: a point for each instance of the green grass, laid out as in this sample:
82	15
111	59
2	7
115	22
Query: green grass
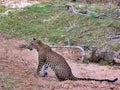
48	21
2	9
7	82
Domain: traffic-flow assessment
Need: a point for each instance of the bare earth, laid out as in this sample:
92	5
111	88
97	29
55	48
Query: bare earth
21	64
20	3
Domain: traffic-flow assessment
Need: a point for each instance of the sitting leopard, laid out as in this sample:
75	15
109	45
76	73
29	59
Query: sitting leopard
57	63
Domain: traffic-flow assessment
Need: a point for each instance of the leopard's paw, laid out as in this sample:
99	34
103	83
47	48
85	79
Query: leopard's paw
36	75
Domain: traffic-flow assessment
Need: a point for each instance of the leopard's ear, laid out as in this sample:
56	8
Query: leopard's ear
34	38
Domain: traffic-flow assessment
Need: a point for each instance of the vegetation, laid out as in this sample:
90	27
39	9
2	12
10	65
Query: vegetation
50	21
2	9
7	82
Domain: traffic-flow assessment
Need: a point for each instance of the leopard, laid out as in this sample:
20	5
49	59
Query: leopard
56	62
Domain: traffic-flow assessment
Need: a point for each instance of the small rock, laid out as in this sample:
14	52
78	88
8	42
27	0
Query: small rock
112	87
1	74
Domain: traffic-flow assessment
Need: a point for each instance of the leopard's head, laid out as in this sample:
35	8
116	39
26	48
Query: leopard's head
37	44
34	44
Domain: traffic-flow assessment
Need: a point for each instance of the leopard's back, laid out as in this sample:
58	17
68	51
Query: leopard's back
59	65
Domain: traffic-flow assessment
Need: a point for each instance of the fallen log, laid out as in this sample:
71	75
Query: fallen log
117	57
72	9
115	37
101	55
82	11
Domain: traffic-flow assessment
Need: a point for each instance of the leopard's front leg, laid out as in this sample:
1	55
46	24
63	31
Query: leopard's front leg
40	64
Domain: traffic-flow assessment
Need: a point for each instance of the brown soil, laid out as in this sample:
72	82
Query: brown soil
20	3
21	64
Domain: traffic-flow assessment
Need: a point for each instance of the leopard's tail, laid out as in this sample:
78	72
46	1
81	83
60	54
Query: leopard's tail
90	79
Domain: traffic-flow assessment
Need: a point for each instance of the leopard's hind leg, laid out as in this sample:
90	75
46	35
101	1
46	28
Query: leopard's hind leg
45	69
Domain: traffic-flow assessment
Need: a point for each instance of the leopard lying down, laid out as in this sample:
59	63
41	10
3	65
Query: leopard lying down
56	62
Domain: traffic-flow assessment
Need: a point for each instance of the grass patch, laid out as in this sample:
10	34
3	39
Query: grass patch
2	8
7	82
49	21
106	62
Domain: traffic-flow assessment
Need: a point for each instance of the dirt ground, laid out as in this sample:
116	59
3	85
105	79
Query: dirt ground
20	3
21	64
